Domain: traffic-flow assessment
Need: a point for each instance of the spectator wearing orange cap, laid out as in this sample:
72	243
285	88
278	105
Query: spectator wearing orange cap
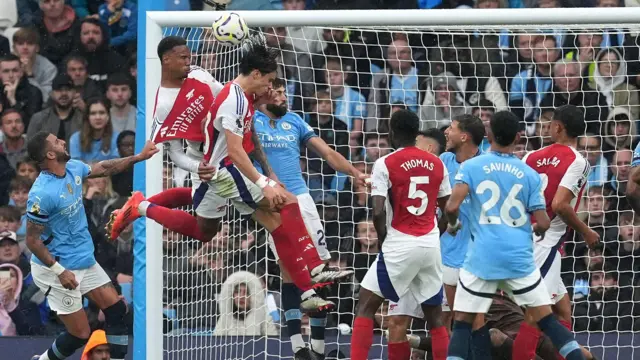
97	348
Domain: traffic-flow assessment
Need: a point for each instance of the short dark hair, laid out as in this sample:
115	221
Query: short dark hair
9	57
37	147
505	127
10	111
257	56
473	126
404	125
20	183
118	79
169	43
278	83
484	104
437	135
75	57
27	35
9	213
572	118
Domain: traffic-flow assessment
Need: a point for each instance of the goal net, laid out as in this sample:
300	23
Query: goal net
346	81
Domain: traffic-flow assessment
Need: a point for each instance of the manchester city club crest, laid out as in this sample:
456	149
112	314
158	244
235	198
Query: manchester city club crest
78	180
286	126
67	301
70	188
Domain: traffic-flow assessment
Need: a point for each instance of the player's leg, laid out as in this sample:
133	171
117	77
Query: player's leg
450	281
473	295
97	286
68	306
531	292
480	339
400	315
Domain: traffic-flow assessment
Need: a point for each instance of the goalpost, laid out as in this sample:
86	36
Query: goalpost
474	46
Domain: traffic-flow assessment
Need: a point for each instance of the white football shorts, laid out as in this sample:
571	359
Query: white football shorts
475	295
548	261
64	301
314	227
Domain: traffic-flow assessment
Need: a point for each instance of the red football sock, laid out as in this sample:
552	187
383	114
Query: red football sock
566	324
361	338
292	220
399	351
289	258
439	342
173	198
526	342
176	220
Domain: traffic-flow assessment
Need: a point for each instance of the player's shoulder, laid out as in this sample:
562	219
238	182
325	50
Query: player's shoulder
43	187
293	118
200	74
75	165
260	118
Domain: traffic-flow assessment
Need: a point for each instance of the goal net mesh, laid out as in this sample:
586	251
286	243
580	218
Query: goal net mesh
346	82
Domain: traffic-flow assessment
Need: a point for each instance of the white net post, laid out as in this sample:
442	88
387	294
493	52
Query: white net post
474	46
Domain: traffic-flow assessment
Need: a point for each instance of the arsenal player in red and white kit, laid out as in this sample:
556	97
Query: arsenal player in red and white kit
407	187
564	174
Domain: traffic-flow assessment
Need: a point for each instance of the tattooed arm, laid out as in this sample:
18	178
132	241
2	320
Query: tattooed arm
35	244
259	155
114	166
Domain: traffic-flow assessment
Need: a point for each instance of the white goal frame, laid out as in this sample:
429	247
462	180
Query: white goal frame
156	20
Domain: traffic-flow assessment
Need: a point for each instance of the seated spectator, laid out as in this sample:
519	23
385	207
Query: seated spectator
60	118
121	17
333	132
443	101
598	216
610	79
608	306
123	114
349	103
76	68
97	140
590	146
17	317
341	293
619	131
19	192
28	168
621	168
376	146
15	91
37	68
628	244
570	89
242	307
9	218
306	39
519	56
14	142
97	347
94	46
10	254
530	86
57	26
123	182
588	45
366	248
484	110
541	129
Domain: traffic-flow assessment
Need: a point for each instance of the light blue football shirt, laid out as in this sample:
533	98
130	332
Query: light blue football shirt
636	156
57	203
454	248
350	106
282	145
503	192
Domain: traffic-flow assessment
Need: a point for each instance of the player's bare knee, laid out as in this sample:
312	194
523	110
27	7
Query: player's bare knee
537	313
433	315
464	317
397	327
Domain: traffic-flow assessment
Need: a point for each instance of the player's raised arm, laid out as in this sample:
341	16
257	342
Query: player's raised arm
380	185
335	159
115	166
259	155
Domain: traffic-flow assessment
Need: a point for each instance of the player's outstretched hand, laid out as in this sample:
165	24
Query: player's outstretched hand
68	280
148	151
206	171
592	238
362	179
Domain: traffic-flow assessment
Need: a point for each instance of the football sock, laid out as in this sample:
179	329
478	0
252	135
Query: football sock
439	342
173	198
481	343
460	342
526	342
362	338
297	230
292	314
561	338
175	220
289	258
318	322
399	351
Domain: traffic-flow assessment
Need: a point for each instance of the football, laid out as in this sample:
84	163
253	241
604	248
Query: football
230	29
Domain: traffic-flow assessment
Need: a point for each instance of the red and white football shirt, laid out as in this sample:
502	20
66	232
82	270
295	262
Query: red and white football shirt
558	166
412	180
232	110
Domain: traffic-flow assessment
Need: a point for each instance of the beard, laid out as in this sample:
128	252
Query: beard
63	156
277	110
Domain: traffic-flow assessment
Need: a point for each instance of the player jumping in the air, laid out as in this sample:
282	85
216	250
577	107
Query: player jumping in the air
282	134
564	174
504	192
407	186
63	264
183	100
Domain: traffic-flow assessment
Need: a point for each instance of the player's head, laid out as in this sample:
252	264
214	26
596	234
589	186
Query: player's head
260	64
403	128
431	140
175	56
568	120
505	129
278	105
464	129
45	147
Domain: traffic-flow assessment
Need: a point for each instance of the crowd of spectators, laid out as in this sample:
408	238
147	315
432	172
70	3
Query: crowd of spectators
70	68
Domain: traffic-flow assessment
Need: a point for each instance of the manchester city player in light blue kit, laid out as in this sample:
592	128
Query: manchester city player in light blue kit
282	135
503	193
633	186
63	264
